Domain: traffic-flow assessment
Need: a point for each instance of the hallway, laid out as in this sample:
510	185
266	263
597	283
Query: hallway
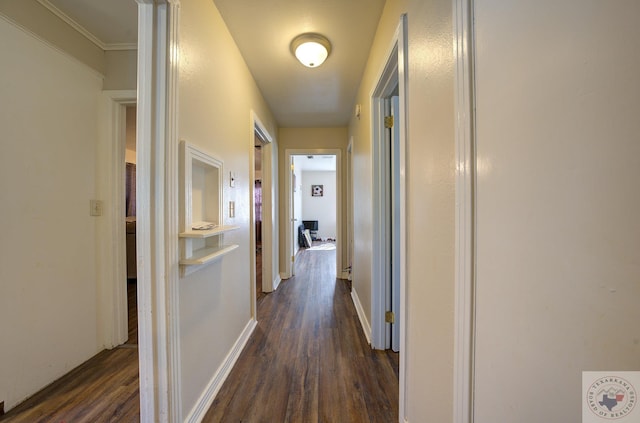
308	360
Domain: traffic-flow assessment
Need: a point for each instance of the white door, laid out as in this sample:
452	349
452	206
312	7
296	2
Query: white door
292	214
395	224
392	223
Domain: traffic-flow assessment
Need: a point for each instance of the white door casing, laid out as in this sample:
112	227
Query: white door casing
392	74
289	234
396	212
111	250
269	213
464	341
157	211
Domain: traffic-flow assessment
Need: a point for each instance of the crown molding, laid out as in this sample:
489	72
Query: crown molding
83	31
120	46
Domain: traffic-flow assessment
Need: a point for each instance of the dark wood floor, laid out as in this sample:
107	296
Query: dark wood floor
103	389
308	360
132	303
259	294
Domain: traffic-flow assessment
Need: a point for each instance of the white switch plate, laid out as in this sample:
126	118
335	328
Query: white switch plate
232	179
95	208
232	209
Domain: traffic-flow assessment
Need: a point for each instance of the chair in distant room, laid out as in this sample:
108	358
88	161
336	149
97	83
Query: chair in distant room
312	226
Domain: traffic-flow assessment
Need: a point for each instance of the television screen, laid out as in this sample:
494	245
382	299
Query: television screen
312	225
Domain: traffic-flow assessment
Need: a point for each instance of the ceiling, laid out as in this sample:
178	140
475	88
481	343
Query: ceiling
111	24
318	163
298	96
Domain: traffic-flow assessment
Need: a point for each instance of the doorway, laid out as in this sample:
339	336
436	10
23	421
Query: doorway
388	285
263	214
257	214
118	107
314	201
130	222
313	191
349	198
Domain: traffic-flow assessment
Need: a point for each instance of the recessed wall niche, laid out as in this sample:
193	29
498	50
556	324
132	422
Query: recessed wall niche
202	228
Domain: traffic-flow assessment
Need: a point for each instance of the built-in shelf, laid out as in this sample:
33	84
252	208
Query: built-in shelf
201	201
207	255
207	233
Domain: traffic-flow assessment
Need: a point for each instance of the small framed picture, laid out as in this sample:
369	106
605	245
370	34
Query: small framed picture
317	190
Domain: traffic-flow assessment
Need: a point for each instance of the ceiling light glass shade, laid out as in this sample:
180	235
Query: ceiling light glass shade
311	49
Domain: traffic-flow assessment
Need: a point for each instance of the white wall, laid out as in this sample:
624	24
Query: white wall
558	233
322	209
39	20
47	247
121	69
215	302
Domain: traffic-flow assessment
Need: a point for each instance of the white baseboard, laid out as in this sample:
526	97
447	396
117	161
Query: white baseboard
206	399
345	275
366	327
284	276
276	283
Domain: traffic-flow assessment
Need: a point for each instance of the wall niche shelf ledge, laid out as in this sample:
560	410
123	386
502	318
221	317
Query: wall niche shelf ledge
207	233
207	255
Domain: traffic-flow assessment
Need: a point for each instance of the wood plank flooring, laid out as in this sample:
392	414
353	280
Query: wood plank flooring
308	360
132	313
103	389
259	294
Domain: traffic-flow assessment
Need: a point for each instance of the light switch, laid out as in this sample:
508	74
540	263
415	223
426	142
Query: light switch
95	208
232	179
232	209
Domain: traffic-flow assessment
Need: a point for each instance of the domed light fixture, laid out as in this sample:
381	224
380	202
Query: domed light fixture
311	49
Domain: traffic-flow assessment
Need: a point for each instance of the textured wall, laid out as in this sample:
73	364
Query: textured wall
558	228
47	247
217	93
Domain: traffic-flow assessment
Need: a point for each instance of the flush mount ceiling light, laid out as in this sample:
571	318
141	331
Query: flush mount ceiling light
311	49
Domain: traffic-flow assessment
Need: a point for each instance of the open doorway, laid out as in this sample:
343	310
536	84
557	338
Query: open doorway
314	201
118	135
257	214
262	192
389	200
388	284
314	198
130	222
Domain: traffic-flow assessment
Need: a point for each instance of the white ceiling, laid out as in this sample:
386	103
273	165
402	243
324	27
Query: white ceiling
263	29
112	24
299	96
318	163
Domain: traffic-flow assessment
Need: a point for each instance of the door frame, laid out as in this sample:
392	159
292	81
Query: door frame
465	237
289	247
349	210
392	74
157	226
269	212
111	254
